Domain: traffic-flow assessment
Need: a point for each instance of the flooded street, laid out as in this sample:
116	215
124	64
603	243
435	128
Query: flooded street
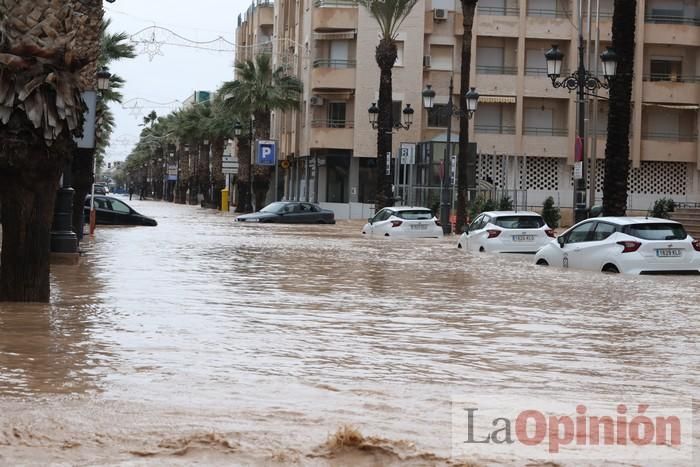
205	340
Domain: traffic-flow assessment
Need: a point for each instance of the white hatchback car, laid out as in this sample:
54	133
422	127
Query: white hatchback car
631	245
414	222
506	232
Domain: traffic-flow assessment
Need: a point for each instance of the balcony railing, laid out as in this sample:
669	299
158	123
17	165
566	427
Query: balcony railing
333	63
498	11
548	13
332	123
335	3
496	70
672	78
603	15
671	18
535	131
661	136
541	71
495	129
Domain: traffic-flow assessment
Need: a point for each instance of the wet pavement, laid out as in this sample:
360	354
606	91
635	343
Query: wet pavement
203	340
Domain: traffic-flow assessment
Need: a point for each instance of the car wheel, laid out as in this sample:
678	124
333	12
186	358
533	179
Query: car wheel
481	250
611	269
542	262
459	245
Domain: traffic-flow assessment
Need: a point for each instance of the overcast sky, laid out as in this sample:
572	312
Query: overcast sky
180	70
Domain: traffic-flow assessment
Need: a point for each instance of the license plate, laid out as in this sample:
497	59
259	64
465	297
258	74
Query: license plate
419	226
252	220
523	238
668	252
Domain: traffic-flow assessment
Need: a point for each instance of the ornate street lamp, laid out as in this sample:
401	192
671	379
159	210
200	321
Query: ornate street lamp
585	84
449	110
407	112
103	77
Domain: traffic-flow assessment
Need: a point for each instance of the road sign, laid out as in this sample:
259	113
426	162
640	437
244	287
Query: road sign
578	170
229	165
408	153
266	153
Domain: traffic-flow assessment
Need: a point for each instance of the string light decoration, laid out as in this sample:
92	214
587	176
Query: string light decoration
136	105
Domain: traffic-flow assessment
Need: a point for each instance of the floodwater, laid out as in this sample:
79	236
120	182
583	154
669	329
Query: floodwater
204	341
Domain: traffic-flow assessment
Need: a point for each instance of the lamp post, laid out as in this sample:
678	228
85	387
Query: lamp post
450	110
585	84
103	77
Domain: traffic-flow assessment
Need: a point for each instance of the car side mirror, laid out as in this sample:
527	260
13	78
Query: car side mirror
560	241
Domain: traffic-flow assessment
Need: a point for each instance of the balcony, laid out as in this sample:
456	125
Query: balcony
496	70
494	129
331	134
673	147
671	17
333	74
673	137
497	11
548	24
679	89
538	84
545	141
493	21
334	14
535	131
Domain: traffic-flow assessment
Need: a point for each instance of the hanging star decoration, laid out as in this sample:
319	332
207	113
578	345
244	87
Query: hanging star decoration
152	46
135	110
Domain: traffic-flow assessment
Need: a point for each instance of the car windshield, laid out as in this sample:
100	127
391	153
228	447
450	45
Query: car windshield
657	231
415	214
274	208
519	222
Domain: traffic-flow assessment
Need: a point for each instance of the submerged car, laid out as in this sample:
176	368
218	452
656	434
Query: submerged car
111	211
290	212
630	245
414	222
506	232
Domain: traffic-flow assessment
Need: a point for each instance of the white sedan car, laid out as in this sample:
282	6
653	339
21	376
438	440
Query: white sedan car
403	222
506	232
631	245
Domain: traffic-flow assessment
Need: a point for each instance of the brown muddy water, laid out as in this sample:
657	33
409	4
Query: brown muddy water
204	341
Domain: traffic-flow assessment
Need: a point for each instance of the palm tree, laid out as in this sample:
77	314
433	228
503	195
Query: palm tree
258	90
219	128
389	15
41	110
466	163
617	147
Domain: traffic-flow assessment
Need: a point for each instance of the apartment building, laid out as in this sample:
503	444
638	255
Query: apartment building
524	128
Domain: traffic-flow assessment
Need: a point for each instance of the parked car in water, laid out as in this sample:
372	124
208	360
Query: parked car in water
413	222
506	232
290	212
112	211
101	189
630	245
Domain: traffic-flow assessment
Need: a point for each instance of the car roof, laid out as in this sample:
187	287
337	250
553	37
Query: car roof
510	213
619	220
408	208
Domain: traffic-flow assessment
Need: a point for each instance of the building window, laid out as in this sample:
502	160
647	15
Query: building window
665	70
441	57
399	53
396	111
438	116
336	114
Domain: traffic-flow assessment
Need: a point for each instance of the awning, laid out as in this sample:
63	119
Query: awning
670	106
496	99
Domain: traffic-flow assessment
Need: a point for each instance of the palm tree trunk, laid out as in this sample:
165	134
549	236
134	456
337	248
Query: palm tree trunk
385	54
617	146
29	177
466	165
218	179
203	182
244	175
262	175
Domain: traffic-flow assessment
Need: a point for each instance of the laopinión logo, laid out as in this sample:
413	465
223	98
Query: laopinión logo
623	430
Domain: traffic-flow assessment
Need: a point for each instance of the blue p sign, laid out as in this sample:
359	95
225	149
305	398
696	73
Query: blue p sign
267	153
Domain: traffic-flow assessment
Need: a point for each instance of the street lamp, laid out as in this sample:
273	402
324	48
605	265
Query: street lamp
238	132
585	84
450	110
103	77
407	117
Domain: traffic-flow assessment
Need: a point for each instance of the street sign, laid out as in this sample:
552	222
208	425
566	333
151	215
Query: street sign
388	163
578	170
229	165
408	153
453	169
266	153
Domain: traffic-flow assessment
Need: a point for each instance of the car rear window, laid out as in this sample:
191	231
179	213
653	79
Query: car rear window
415	215
656	231
519	222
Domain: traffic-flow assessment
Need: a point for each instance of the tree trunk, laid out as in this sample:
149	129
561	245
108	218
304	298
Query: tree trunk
203	169
82	184
466	165
29	177
385	54
617	147
244	176
218	178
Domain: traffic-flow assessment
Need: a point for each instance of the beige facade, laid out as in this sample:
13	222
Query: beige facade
525	129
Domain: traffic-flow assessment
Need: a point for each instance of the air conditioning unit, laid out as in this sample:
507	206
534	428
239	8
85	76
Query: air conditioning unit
426	61
316	100
439	14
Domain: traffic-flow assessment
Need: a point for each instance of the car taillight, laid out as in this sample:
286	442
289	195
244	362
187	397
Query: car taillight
550	233
493	233
437	222
396	223
696	245
629	246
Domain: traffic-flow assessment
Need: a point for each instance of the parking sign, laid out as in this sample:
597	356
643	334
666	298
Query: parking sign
266	153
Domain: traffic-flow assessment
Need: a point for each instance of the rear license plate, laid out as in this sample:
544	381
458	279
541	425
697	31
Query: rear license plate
523	238
668	252
419	226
